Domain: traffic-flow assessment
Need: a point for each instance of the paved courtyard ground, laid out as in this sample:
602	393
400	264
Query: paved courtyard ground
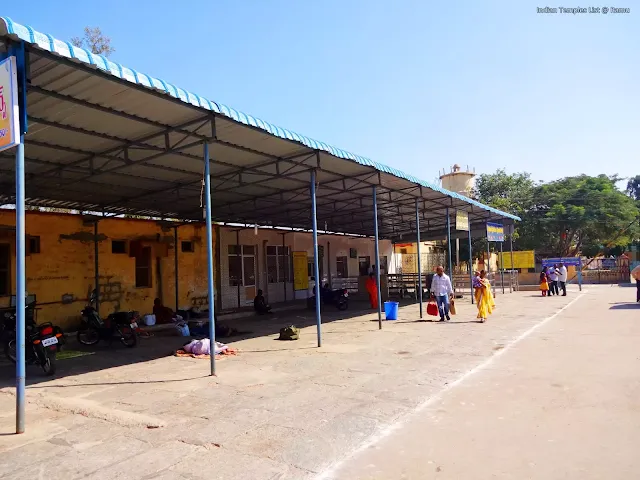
288	410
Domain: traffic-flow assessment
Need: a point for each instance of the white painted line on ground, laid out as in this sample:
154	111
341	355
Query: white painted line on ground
329	472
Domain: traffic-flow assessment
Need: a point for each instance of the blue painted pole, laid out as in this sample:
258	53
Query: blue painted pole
502	267
316	260
211	294
512	266
377	249
449	244
419	259
470	259
20	289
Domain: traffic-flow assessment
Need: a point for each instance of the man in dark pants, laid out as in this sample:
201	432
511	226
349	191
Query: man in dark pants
562	278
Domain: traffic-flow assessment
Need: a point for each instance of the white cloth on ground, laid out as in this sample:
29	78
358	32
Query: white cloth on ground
203	347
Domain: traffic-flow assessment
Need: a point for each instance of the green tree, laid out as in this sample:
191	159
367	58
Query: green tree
511	193
564	217
582	213
633	187
95	41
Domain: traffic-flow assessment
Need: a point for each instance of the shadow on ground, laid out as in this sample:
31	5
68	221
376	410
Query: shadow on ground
625	306
165	343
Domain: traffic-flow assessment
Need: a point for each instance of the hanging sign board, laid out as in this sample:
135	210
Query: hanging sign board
300	272
495	232
462	221
9	107
573	261
523	259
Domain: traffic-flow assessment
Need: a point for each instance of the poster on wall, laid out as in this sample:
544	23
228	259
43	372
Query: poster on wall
462	221
300	272
9	109
523	259
495	232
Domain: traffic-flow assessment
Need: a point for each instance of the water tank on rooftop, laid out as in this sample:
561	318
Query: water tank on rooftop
458	180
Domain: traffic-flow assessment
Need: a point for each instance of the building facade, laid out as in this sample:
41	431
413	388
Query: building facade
136	263
137	258
251	259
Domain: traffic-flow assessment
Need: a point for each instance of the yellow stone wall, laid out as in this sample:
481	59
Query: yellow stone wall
65	265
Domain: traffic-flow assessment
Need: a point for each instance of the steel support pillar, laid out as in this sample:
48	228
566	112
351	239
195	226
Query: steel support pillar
470	260
175	266
419	259
501	268
96	267
512	266
316	259
377	253
21	273
286	275
20	289
211	293
449	244
488	266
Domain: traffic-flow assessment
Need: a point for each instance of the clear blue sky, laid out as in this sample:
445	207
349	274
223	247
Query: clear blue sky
418	85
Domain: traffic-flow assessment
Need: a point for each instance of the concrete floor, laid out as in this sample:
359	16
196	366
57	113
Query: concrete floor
526	395
561	402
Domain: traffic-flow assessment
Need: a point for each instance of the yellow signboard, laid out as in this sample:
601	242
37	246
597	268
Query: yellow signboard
462	221
300	272
523	259
9	110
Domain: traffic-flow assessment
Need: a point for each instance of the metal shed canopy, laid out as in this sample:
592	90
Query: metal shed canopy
104	137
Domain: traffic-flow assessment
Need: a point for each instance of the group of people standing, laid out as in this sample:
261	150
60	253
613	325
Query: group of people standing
553	279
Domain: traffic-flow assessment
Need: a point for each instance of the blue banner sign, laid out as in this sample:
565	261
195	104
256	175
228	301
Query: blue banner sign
495	232
574	261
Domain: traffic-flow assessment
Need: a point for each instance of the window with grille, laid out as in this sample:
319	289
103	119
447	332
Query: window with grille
278	264
143	268
242	265
342	269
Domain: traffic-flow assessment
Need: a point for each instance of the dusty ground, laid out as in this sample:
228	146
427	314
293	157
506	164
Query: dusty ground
288	410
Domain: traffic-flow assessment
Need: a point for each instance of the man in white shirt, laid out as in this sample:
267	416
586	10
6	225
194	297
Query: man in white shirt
442	291
562	278
553	280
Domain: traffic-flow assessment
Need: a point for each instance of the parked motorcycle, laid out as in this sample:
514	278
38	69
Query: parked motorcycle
339	298
41	346
8	326
119	325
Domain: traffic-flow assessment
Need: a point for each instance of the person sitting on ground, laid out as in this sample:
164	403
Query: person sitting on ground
260	305
326	293
163	314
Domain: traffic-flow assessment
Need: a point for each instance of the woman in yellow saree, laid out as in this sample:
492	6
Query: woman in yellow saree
484	297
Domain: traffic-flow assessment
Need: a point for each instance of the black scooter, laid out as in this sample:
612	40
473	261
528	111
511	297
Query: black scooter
119	325
339	298
41	346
